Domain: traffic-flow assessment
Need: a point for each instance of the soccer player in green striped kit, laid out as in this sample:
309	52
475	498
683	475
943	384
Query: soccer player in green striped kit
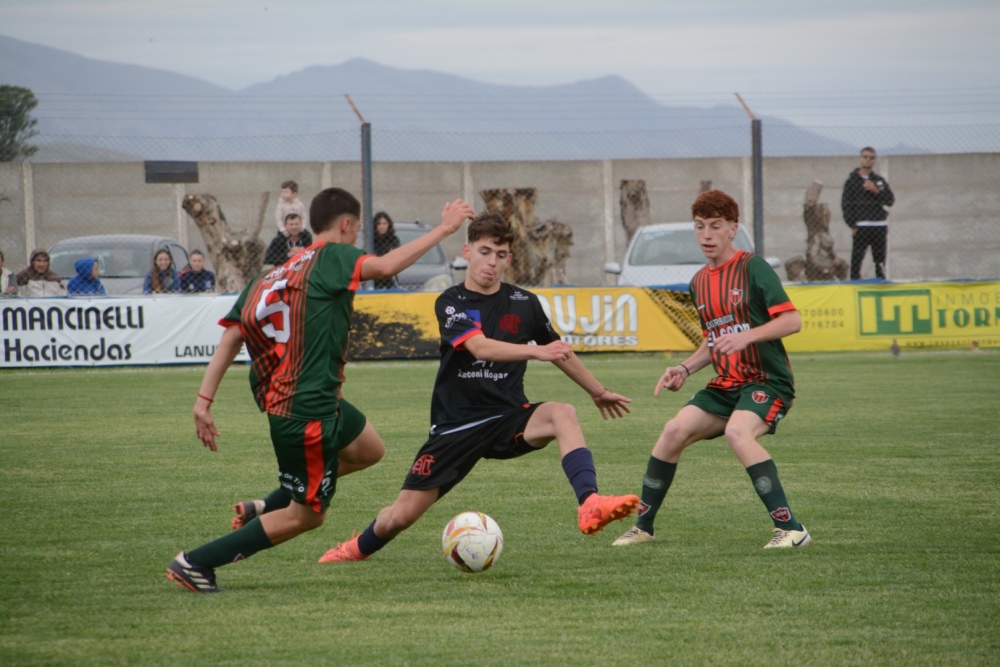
744	313
294	320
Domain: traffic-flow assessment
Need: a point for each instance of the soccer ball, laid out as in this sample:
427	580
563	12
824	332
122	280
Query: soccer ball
472	542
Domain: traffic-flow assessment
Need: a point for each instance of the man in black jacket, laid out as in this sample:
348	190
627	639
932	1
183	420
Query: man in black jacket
865	202
288	243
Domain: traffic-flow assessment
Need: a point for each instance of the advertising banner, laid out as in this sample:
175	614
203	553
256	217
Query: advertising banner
111	331
119	331
915	315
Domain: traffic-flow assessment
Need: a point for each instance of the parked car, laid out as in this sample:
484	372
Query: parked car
125	259
432	272
668	253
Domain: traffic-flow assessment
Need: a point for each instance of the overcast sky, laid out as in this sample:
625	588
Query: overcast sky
784	56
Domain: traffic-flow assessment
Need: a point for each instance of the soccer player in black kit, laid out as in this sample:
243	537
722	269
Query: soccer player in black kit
479	409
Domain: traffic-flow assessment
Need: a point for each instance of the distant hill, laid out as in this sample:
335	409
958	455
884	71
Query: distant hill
124	111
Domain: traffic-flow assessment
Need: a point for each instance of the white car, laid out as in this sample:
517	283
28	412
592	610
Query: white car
668	253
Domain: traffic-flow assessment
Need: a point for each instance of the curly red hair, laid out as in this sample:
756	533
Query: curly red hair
715	204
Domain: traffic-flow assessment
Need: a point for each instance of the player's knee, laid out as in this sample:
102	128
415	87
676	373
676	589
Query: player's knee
563	413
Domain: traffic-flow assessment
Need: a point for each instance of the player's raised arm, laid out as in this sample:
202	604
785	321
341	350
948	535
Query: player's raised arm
394	261
610	404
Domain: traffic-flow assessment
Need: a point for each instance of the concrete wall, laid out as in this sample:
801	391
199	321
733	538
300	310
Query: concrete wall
946	222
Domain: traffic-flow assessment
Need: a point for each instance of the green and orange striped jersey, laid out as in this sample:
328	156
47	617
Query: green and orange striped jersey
743	293
295	319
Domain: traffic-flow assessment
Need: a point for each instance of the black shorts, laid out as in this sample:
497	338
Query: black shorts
446	459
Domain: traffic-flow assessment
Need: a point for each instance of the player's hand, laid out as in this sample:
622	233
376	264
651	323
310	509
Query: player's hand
204	426
557	350
611	404
673	379
730	343
454	214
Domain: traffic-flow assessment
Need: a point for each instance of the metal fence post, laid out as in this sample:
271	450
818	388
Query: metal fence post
758	188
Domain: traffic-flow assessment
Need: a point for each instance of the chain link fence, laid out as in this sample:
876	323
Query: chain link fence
945	223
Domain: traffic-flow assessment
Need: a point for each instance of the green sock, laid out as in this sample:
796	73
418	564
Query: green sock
233	547
659	475
764	476
277	500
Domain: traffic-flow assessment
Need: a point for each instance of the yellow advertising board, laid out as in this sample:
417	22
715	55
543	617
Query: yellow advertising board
916	315
611	319
840	317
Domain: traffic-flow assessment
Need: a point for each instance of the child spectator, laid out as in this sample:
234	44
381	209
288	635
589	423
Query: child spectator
195	277
86	282
290	203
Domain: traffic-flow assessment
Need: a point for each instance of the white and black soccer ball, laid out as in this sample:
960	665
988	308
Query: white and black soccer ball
472	542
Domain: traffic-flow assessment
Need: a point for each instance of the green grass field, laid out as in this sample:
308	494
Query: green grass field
893	465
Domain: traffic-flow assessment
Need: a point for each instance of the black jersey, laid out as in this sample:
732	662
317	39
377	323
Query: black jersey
468	391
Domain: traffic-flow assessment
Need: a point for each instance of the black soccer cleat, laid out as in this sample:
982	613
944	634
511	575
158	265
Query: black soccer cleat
192	577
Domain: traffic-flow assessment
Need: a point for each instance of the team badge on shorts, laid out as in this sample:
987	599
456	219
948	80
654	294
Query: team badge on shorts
760	397
735	296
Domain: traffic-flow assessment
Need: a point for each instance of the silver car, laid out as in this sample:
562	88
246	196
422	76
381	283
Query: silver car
668	253
125	259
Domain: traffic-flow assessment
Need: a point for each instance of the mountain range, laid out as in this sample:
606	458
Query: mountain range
91	110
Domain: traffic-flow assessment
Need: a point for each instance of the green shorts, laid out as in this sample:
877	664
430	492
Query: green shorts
308	453
759	399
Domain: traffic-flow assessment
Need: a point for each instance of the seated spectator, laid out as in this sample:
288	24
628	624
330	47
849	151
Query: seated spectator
289	243
8	282
195	277
38	279
162	278
86	282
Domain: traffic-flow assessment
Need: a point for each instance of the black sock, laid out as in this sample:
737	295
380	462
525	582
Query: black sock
764	476
278	499
369	542
655	484
233	547
579	468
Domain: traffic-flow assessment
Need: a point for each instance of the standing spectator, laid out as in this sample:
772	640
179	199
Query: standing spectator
384	240
8	283
86	282
162	278
744	314
864	203
195	277
290	203
38	279
288	243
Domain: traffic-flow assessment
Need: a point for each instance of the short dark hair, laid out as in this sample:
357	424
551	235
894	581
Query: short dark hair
196	252
292	215
329	205
291	185
869	149
715	204
492	226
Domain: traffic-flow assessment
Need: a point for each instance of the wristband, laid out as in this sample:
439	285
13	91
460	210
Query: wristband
210	400
603	391
687	370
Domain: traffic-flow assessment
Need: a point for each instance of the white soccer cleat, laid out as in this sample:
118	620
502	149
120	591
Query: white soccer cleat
634	535
788	539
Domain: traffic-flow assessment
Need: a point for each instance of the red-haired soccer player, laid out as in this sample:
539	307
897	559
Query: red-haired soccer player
744	315
294	320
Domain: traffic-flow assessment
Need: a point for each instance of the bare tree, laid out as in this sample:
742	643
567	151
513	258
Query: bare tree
634	204
540	249
821	262
237	257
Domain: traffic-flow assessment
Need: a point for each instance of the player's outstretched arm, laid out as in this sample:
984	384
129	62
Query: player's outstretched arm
673	377
225	353
608	402
783	324
394	261
488	349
